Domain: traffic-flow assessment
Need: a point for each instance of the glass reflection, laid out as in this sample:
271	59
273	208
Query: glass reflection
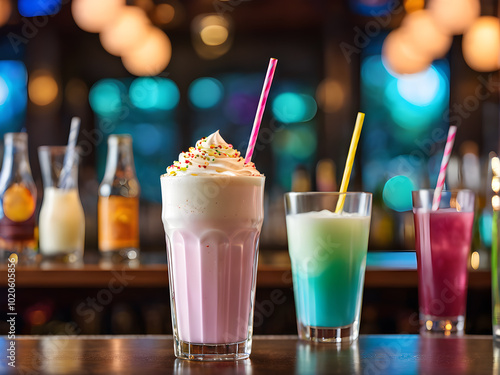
54	362
327	358
183	367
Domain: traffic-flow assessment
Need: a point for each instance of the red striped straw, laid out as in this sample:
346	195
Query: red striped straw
444	164
260	108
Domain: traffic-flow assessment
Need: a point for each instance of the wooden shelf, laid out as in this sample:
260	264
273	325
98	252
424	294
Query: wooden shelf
384	270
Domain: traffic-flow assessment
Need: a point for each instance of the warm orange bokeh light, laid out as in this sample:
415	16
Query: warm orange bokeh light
164	13
151	56
126	31
481	44
454	16
413	5
330	95
94	15
424	34
5	11
42	88
401	57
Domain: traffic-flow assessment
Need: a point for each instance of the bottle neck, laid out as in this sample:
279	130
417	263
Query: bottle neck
120	159
15	166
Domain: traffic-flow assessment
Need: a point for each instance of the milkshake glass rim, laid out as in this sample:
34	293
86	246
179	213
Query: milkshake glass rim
333	193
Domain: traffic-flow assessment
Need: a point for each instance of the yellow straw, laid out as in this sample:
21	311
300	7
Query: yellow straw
350	161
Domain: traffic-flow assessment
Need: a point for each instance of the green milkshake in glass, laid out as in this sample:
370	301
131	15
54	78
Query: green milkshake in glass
328	255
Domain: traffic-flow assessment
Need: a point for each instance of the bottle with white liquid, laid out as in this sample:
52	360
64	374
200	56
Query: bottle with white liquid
62	220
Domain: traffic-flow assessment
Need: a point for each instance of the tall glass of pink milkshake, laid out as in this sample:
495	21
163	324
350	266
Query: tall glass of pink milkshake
442	240
212	214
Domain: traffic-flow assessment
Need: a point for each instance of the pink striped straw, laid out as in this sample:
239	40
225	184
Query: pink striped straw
444	164
260	108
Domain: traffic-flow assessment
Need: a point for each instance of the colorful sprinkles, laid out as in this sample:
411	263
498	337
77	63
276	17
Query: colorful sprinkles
202	154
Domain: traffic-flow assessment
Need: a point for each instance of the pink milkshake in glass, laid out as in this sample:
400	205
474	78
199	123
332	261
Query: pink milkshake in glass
442	241
212	215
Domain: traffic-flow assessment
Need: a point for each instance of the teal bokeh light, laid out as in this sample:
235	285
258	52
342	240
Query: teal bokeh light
154	93
417	101
485	224
422	89
290	107
105	97
205	92
397	193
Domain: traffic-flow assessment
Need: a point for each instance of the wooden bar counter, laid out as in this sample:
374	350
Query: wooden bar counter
372	354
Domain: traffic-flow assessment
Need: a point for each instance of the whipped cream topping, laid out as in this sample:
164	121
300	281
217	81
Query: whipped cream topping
212	155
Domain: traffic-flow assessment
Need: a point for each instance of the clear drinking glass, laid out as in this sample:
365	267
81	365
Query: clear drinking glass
442	241
328	254
212	226
62	220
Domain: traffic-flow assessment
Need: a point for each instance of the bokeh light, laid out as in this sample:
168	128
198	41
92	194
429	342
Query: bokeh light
94	15
408	95
420	88
214	35
4	91
13	95
485	225
481	44
214	29
397	193
105	97
5	11
42	88
151	57
34	8
205	92
413	5
164	14
211	34
290	107
370	7
401	57
126	31
422	32
454	16
154	93
330	95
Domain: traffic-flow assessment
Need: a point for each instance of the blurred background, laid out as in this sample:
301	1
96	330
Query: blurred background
169	72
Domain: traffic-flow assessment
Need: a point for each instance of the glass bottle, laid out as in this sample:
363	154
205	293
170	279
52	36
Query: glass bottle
118	204
62	219
17	201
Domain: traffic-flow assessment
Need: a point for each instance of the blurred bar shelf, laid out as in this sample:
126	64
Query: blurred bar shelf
384	270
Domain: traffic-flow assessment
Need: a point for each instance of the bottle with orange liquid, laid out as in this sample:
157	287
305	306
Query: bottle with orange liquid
118	204
17	201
